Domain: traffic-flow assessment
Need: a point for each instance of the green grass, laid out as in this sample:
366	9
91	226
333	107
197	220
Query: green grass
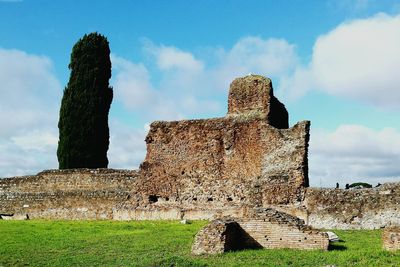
162	243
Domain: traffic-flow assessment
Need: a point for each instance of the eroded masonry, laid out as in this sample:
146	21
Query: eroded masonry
261	228
200	168
208	169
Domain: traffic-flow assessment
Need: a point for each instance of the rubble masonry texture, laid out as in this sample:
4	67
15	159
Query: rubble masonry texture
227	163
264	228
391	238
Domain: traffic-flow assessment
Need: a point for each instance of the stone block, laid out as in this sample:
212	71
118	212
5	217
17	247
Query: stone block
391	238
252	95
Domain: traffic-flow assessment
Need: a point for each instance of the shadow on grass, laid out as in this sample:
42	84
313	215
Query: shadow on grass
337	245
238	239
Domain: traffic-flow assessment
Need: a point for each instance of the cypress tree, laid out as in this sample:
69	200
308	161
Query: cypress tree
83	124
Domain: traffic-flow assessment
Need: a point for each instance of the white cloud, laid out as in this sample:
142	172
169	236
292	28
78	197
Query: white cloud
28	91
132	87
132	83
187	85
38	140
172	58
29	103
269	57
358	59
127	146
177	95
354	153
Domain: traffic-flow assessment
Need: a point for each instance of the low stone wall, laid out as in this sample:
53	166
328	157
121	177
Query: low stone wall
391	238
220	236
370	208
274	229
265	228
65	194
69	180
107	194
175	213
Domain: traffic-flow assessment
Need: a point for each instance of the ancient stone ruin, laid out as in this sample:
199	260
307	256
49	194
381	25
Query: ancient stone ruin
65	194
222	235
263	228
199	168
208	169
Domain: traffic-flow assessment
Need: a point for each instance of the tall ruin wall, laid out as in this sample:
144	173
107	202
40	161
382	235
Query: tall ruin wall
220	164
248	158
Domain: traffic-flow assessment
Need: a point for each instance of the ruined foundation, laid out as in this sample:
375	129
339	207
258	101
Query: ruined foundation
65	194
262	228
218	166
208	169
370	208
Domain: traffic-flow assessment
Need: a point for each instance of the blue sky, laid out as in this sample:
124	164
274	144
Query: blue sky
332	62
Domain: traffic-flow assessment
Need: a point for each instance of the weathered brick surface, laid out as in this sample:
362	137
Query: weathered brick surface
262	228
67	180
253	96
371	208
391	238
225	163
66	194
274	229
220	236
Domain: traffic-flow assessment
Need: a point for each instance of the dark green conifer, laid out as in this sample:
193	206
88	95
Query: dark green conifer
83	125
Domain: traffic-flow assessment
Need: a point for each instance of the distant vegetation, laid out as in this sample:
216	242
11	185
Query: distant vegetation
83	124
363	185
166	243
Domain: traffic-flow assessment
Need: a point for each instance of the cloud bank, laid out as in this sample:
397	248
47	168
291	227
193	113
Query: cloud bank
354	153
30	93
358	59
187	84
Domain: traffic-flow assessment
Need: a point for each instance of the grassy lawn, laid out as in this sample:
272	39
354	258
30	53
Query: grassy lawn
161	243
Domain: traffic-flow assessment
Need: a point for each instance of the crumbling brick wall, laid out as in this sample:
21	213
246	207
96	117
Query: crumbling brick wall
261	228
65	194
67	180
274	229
222	235
253	95
237	160
370	208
